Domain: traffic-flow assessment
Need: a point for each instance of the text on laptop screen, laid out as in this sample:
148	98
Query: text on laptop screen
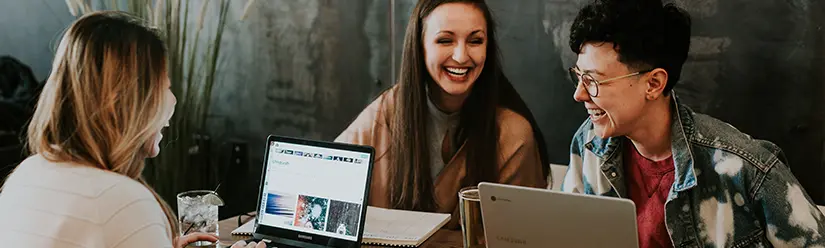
314	190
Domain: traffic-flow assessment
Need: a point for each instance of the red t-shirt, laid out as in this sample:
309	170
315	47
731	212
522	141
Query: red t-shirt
648	183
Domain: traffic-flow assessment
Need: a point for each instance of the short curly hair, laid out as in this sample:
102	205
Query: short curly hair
645	33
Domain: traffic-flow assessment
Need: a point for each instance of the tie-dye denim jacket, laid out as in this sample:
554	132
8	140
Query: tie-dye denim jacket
729	190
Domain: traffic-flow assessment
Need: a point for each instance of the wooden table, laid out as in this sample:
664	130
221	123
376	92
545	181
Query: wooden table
441	239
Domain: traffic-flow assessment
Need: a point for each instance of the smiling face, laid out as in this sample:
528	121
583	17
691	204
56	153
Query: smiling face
152	147
618	109
455	47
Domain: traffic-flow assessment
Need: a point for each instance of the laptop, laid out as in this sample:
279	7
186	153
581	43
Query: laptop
313	193
524	217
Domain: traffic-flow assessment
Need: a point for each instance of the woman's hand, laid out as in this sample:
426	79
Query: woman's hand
185	240
243	244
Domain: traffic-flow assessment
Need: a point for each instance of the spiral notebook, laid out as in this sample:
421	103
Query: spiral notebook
390	227
246	229
387	227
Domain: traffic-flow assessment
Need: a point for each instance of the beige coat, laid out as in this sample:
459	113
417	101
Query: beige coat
519	162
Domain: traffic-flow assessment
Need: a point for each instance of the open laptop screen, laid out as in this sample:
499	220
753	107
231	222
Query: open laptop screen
314	189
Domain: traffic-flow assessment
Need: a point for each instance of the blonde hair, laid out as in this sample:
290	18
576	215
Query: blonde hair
104	99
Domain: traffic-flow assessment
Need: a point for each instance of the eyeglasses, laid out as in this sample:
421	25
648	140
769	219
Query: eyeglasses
590	83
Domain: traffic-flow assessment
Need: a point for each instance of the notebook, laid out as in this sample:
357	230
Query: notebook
246	229
389	227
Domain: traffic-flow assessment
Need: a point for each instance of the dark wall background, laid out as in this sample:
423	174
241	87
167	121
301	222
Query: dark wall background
307	68
767	78
296	68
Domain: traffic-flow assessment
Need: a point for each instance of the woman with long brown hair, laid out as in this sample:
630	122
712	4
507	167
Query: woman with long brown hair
99	116
452	120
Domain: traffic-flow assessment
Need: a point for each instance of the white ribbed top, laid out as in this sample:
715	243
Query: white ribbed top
47	204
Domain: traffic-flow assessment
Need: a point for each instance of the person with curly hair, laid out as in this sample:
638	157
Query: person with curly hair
695	180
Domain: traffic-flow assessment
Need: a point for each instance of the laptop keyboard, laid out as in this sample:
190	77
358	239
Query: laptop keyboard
280	246
272	244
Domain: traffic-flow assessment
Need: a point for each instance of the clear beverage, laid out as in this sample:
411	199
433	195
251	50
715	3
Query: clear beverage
472	225
197	213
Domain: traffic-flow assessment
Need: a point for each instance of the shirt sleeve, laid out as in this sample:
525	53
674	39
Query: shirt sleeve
131	217
791	218
521	164
573	181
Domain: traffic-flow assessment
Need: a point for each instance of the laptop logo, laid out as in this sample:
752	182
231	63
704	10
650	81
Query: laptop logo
512	240
305	237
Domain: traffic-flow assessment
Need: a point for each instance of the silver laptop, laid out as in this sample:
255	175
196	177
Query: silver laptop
313	193
527	217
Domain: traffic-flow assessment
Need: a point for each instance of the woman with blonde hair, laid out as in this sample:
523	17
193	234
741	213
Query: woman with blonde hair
99	116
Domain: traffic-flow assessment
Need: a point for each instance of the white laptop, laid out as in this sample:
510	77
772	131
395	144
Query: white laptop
313	193
516	216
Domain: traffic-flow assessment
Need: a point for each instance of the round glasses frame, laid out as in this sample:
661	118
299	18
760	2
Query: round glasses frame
591	85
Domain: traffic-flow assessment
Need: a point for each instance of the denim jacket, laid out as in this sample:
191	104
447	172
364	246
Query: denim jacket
729	190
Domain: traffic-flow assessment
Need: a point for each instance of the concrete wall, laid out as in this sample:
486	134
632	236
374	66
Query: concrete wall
300	68
30	30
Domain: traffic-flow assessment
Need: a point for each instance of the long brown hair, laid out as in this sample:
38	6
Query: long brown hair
104	98
410	180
